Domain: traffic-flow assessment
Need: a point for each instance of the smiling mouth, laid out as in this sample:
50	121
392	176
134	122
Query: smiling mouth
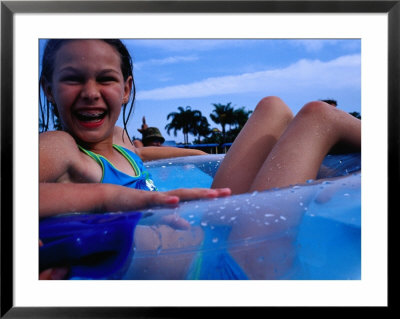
90	116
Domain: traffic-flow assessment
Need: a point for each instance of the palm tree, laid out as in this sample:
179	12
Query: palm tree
240	117
222	114
203	127
186	120
356	114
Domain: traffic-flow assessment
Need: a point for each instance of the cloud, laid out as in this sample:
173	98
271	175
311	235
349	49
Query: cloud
179	45
342	72
312	45
165	61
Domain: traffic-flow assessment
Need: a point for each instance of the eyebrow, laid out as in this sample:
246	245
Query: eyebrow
74	69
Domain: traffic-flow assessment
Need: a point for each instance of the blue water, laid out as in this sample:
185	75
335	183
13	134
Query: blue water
302	232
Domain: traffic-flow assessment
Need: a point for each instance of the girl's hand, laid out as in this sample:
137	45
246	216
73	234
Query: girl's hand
53	273
198	193
123	199
58	198
177	222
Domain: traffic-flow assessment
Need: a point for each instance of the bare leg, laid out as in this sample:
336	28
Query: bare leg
296	157
253	144
298	154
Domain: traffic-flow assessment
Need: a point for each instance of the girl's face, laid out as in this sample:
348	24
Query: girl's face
88	89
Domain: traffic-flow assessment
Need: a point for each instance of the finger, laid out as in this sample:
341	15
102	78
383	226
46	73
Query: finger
59	273
45	274
175	222
54	273
198	193
223	192
148	199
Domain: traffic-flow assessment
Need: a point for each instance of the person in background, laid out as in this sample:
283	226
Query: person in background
151	136
139	143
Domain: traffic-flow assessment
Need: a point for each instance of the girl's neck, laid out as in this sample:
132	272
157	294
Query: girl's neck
103	147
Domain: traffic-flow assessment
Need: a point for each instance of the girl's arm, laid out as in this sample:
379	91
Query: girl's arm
58	156
61	168
57	198
150	153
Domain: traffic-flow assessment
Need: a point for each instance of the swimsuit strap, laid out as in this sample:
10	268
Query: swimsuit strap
96	157
123	151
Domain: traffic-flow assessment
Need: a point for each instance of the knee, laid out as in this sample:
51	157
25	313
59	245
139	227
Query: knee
274	106
316	110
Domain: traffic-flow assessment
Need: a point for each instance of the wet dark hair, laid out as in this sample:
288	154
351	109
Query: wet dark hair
47	109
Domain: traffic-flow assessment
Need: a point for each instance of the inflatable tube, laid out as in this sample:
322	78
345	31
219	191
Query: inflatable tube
309	231
93	246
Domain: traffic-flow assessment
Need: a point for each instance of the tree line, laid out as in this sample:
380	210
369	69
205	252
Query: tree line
193	122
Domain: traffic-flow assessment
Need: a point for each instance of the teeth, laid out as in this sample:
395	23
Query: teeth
90	115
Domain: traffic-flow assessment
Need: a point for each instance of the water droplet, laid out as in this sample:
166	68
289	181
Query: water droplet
282	217
237	208
346	195
215	240
204	224
269	215
233	218
222	217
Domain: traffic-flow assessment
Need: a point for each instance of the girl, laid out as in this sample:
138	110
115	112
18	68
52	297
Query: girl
87	82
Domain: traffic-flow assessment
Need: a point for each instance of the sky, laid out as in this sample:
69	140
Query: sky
169	73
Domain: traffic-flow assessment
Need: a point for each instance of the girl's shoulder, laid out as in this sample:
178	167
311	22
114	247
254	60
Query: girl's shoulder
59	156
59	142
56	137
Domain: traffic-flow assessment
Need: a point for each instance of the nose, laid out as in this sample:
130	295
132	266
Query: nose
90	91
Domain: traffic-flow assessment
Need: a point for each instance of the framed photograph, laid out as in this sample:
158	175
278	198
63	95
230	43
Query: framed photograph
374	25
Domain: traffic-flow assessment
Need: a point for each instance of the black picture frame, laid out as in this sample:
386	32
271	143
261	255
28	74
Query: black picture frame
9	8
